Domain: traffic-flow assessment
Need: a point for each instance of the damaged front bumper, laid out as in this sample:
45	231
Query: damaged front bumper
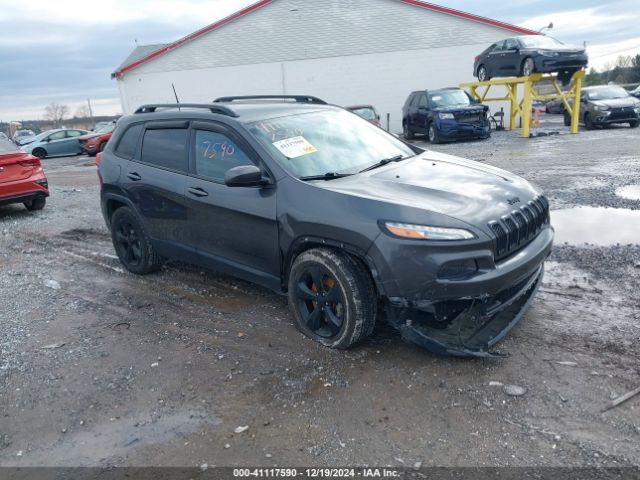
474	326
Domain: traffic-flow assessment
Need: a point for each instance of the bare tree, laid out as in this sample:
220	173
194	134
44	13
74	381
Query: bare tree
83	111
56	113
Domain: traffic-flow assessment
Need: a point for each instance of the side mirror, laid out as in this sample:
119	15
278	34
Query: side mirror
244	176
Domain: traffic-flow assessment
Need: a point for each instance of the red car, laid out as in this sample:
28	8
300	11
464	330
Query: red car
94	142
22	179
368	112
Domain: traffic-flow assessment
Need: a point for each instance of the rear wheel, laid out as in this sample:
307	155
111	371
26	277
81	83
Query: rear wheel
132	243
528	66
35	204
406	132
332	298
39	152
432	132
483	75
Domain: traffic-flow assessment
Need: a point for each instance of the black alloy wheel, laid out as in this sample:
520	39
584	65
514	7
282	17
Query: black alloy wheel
131	243
332	297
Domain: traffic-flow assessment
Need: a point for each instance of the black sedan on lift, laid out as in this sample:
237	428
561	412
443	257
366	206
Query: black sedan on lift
522	56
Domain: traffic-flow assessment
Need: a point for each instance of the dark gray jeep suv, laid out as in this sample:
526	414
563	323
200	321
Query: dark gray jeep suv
310	200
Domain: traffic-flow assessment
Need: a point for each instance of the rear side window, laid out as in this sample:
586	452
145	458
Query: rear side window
129	141
423	101
216	153
166	148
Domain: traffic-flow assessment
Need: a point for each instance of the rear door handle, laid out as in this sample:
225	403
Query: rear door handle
134	176
198	192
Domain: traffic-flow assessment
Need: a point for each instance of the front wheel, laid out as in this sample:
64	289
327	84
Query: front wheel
528	66
434	137
332	298
634	123
40	153
567	119
132	243
406	132
483	75
588	123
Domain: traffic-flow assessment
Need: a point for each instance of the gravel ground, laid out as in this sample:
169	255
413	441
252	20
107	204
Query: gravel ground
100	367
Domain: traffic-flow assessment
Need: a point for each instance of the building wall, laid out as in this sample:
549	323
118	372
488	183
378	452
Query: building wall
383	79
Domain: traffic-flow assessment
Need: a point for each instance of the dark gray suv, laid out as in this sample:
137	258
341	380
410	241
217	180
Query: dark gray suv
310	200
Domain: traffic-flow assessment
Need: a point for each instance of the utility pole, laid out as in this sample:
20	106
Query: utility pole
90	111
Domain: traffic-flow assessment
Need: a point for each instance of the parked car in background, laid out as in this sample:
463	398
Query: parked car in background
538	106
635	92
444	114
453	249
95	141
527	54
368	112
22	137
22	179
55	143
3	136
555	105
605	105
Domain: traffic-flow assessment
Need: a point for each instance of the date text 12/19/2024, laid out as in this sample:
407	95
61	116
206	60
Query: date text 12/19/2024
315	473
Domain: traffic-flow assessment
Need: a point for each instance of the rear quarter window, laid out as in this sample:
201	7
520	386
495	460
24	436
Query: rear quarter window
166	148
129	142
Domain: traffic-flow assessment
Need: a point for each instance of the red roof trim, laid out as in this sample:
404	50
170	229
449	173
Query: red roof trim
193	36
261	3
470	16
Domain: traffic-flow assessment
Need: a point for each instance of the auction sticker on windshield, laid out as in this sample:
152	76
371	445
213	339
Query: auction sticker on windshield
294	147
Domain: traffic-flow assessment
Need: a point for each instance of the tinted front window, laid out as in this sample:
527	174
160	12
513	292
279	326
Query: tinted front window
216	153
58	135
129	141
74	133
166	148
366	113
326	141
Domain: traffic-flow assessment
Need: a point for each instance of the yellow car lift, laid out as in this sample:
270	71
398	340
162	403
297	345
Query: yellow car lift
523	107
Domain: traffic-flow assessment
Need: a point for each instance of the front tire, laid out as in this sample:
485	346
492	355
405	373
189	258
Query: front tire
634	124
567	119
588	123
332	298
35	204
433	135
528	67
40	153
132	243
406	132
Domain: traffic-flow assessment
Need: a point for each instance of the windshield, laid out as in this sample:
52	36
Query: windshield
335	141
24	133
607	93
447	98
539	41
365	112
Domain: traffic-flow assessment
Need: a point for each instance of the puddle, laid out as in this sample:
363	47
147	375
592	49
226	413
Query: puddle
596	225
630	192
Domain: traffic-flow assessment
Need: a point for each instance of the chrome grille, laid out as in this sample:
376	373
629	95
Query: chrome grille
519	227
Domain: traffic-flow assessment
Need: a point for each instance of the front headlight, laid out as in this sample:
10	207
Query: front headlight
548	53
446	116
637	110
601	108
425	232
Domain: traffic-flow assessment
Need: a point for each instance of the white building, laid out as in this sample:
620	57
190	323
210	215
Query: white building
344	51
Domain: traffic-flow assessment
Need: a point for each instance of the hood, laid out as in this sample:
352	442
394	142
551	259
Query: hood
25	140
617	102
469	191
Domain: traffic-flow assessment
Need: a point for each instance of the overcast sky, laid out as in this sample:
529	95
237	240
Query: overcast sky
65	51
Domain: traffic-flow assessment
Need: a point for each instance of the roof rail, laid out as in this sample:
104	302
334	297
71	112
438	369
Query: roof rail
297	98
212	108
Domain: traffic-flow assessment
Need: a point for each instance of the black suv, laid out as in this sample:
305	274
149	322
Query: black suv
444	114
312	200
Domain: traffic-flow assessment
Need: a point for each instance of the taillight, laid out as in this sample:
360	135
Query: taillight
98	158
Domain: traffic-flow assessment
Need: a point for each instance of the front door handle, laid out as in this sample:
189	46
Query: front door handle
198	192
134	176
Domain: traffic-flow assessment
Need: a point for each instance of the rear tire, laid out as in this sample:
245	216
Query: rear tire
483	74
40	153
35	204
406	132
132	243
332	298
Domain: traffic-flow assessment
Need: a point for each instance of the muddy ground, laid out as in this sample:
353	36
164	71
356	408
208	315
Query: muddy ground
101	367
